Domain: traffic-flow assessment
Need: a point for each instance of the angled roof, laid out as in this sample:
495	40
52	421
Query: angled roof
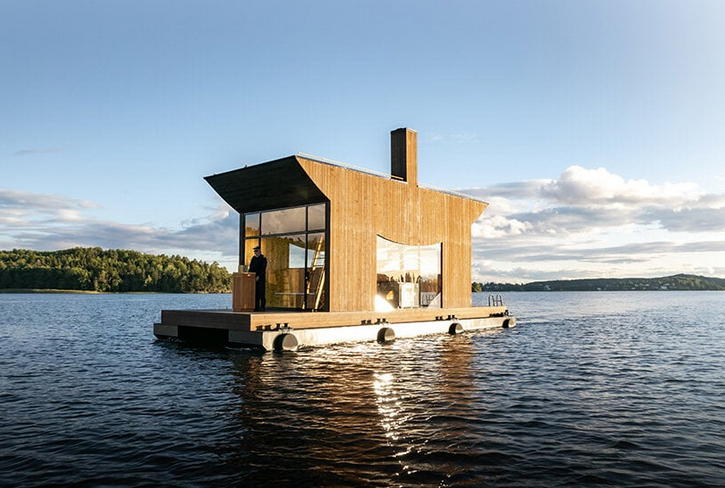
286	182
275	184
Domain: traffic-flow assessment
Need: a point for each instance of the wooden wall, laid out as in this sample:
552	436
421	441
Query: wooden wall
363	206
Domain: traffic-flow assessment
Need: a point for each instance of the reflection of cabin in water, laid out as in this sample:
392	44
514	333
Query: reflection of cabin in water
341	239
377	256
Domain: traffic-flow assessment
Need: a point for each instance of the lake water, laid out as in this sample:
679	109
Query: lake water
610	389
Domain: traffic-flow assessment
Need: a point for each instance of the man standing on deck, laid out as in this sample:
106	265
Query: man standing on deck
258	266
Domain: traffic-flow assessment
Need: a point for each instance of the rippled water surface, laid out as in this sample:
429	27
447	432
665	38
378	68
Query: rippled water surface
610	389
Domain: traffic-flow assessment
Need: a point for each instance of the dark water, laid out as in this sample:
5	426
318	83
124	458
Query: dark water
609	389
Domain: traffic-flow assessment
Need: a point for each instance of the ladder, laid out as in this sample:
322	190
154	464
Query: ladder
316	281
495	301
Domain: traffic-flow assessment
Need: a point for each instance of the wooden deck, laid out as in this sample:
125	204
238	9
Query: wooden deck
271	320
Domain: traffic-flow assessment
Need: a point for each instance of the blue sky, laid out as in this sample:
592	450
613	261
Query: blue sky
594	129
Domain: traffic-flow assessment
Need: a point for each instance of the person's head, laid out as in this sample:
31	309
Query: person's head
257	251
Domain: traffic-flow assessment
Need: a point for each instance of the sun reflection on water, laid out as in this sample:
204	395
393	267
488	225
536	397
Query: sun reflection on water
389	404
391	409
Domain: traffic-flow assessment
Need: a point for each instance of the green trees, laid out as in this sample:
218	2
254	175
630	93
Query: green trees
113	270
675	282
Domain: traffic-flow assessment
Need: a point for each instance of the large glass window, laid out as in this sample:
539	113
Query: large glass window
251	224
284	221
293	241
408	276
285	270
316	217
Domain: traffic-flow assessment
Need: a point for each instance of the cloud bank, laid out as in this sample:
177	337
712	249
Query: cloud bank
592	223
586	223
51	222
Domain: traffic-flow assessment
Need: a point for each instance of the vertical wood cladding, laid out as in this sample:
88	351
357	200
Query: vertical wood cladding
363	206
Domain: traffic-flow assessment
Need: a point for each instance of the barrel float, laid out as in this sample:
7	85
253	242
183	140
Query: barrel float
386	334
455	329
285	342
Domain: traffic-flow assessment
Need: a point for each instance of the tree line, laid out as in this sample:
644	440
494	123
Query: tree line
675	282
112	270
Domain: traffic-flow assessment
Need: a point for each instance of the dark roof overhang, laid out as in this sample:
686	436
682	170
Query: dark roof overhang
275	184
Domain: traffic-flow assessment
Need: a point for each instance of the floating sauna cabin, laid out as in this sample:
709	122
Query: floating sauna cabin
373	256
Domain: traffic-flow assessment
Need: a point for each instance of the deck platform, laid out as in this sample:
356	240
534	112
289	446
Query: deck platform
288	330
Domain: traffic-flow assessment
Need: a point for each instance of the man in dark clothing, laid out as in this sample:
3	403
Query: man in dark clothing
258	266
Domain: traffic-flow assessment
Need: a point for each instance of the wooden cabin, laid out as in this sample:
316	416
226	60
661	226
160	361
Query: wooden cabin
377	256
340	239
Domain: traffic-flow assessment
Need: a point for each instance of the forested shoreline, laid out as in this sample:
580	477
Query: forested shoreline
111	271
675	282
123	271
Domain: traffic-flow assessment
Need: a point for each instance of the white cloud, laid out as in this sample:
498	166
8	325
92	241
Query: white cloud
584	199
30	202
499	226
600	187
594	223
586	223
52	222
48	150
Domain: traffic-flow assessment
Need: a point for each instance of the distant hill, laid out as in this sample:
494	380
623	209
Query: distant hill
112	270
675	282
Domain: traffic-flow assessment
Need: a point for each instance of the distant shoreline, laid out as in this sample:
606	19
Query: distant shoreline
583	291
679	282
91	292
43	290
93	269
